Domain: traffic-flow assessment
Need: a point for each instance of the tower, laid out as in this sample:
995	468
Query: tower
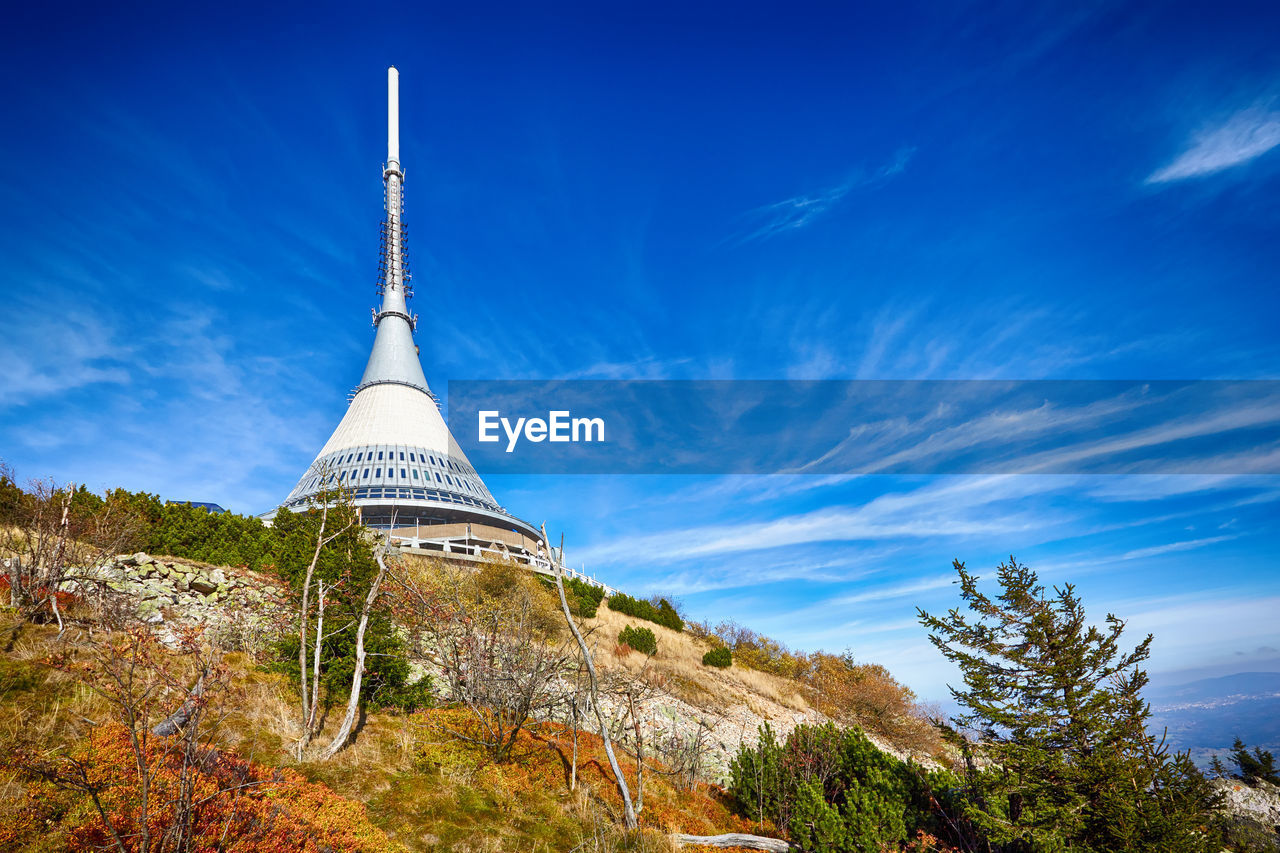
392	452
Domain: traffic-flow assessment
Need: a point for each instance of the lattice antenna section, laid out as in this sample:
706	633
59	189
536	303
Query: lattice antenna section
387	231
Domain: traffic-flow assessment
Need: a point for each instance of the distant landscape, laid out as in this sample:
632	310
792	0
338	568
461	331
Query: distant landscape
1204	716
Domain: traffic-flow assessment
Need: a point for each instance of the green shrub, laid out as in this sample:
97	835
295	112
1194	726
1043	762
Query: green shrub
664	614
719	656
831	789
583	598
640	639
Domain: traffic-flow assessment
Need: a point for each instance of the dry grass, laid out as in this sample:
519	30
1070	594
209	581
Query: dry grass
468	806
679	662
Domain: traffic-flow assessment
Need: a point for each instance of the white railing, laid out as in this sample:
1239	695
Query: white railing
478	551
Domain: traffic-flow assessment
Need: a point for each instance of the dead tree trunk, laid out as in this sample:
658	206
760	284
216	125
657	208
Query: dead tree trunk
315	665
628	812
307	704
733	839
176	721
353	701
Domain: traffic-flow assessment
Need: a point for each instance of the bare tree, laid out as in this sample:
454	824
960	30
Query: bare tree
497	634
629	814
353	699
57	537
137	677
309	701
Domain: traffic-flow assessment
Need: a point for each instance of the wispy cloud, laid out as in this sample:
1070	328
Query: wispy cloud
952	508
1157	550
798	211
1243	137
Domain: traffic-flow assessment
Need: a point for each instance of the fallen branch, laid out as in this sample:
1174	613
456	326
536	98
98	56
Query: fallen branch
733	839
175	722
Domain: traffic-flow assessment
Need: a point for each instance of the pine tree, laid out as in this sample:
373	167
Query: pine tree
1066	760
1258	766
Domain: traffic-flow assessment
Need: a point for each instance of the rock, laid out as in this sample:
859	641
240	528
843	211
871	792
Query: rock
141	559
202	584
1260	802
218	577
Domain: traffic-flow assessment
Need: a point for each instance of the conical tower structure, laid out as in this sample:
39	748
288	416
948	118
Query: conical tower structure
392	453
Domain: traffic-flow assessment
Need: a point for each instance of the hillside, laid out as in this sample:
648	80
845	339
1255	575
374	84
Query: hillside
408	779
345	695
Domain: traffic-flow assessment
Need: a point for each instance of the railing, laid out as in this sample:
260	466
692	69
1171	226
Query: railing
478	551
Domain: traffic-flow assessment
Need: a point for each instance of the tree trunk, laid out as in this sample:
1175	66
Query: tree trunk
353	701
315	667
307	705
175	722
733	839
629	813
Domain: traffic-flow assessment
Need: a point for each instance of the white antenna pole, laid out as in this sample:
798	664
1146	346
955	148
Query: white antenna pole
393	116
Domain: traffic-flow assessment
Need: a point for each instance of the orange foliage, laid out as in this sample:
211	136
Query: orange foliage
239	805
542	762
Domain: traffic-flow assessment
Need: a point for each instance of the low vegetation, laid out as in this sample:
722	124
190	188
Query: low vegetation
830	789
720	657
663	613
639	639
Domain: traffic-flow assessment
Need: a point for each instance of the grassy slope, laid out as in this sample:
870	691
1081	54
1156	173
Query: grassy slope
424	789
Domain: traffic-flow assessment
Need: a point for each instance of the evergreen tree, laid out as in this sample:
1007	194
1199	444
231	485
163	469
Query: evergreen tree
1258	766
1068	762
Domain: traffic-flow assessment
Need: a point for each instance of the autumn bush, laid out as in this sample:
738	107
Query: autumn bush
237	803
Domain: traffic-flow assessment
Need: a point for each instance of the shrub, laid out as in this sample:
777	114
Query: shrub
831	789
640	639
664	614
583	598
257	808
719	656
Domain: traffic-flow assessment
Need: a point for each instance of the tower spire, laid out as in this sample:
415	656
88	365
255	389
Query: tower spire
392	452
394	357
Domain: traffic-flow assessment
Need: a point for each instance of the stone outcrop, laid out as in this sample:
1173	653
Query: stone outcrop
238	607
1257	803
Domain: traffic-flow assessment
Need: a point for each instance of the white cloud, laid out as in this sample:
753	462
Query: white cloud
1246	135
799	211
953	508
1157	550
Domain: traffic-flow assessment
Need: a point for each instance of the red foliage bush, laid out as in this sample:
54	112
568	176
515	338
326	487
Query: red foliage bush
238	804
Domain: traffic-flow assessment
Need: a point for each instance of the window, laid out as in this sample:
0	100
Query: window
378	473
360	457
415	473
412	458
402	473
366	473
433	460
401	455
349	455
379	455
449	479
438	480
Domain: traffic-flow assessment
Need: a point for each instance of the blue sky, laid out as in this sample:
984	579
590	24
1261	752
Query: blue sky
190	200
